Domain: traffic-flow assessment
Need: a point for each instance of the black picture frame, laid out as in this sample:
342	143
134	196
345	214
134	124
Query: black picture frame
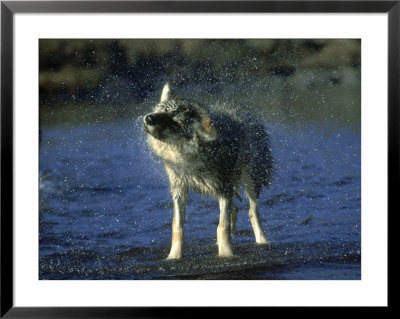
9	8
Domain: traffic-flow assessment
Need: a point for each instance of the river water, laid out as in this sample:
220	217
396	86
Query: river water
105	209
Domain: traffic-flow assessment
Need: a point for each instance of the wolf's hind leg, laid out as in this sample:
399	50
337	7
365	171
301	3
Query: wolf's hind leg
179	197
252	194
255	222
234	212
224	228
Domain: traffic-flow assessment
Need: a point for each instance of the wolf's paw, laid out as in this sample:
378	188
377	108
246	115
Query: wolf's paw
262	241
175	252
225	251
174	256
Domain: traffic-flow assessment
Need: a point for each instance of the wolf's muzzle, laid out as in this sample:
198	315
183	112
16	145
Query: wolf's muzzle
149	119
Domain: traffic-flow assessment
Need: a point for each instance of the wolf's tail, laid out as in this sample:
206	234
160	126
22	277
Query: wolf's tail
261	163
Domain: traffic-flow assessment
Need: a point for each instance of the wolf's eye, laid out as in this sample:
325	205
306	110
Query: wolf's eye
167	108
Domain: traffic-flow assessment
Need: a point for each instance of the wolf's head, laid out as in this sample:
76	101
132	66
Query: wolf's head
175	120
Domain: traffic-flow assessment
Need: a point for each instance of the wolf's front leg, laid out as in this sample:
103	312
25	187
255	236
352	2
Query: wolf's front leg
179	197
224	228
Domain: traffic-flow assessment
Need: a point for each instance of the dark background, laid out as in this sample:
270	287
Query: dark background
116	77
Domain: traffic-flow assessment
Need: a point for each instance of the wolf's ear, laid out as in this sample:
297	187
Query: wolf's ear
166	93
206	130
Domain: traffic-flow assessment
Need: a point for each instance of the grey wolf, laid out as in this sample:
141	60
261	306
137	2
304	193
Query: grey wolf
213	153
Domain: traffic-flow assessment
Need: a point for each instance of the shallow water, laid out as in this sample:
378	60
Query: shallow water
106	213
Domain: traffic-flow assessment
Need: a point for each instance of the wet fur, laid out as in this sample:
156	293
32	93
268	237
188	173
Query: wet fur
212	153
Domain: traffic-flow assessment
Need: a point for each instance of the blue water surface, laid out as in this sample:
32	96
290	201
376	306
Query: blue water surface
106	212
